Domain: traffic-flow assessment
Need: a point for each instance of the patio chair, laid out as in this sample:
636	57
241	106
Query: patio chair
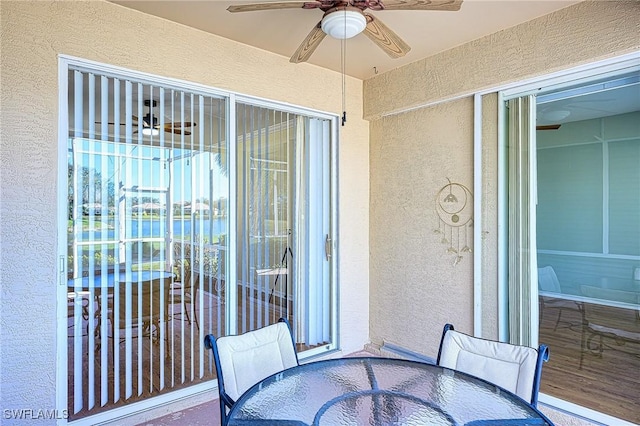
515	368
548	282
245	359
77	298
150	298
185	293
619	325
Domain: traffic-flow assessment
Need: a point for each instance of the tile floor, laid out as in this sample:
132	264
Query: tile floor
207	413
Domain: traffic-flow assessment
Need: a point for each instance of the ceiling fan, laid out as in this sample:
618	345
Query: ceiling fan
346	18
151	125
548	127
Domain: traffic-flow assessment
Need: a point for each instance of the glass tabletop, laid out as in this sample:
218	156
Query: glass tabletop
379	391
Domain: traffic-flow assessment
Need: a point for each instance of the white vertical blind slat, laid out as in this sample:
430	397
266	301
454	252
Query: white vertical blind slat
163	253
77	315
198	296
104	296
128	332
94	202
136	144
198	186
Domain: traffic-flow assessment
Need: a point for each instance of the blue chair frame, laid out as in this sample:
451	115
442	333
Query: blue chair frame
225	400
543	356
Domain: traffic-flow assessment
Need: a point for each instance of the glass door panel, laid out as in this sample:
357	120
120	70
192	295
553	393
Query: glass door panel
588	236
283	219
146	228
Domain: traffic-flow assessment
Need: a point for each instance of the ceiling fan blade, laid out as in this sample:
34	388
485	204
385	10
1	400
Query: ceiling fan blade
271	6
178	131
178	124
386	39
309	45
450	5
548	127
177	127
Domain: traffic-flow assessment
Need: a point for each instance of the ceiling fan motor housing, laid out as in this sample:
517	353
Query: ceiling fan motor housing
344	22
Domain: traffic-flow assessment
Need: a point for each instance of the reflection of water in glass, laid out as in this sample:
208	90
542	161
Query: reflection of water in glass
156	227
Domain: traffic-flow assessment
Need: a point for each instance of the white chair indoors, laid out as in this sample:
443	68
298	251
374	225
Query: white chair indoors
549	283
515	368
245	359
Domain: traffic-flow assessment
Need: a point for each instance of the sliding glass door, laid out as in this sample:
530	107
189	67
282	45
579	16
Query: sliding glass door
188	213
283	221
574	226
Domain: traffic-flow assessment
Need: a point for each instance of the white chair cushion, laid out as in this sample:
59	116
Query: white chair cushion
548	280
247	358
508	366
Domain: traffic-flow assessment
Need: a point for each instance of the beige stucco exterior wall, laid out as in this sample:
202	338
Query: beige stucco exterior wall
33	34
572	36
415	288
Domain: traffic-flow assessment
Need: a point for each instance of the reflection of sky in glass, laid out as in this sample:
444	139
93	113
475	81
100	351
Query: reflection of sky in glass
149	167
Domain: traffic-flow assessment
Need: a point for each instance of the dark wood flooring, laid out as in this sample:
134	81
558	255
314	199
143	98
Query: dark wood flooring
608	382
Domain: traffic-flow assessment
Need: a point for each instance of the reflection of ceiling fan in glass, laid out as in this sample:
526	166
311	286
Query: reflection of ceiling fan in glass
151	125
346	18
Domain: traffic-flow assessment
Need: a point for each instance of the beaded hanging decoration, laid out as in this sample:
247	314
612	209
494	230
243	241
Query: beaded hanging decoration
454	208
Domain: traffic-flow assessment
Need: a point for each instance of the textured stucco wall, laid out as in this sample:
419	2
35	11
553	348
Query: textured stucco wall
32	35
414	287
575	35
489	220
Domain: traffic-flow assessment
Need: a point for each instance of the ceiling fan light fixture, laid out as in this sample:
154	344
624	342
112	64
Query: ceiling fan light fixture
343	24
150	123
557	115
150	131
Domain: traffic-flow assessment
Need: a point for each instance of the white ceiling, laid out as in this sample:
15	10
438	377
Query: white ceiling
613	96
281	31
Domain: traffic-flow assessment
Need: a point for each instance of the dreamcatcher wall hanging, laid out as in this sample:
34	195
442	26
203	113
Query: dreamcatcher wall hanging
454	207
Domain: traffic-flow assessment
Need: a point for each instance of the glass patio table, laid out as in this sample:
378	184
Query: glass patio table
379	391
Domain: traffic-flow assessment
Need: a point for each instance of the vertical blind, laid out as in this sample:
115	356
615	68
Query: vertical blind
149	271
283	217
522	252
147	198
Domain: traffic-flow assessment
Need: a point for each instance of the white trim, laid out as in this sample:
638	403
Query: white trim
404	353
65	63
571	76
503	258
602	302
477	216
534	326
534	84
231	280
334	229
61	324
584	412
585	254
121	413
606	218
197	88
431	103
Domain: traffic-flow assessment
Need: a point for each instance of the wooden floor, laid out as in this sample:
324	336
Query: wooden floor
609	384
184	362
